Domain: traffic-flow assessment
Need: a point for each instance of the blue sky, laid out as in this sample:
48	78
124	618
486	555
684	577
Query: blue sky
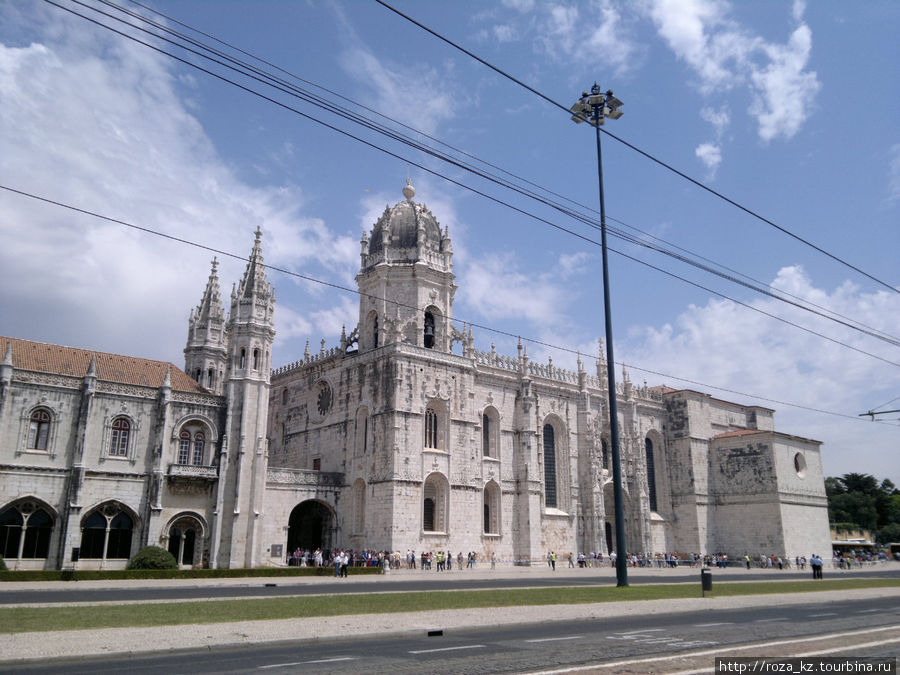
787	108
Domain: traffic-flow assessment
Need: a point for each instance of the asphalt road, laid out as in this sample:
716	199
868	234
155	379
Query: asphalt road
658	643
428	581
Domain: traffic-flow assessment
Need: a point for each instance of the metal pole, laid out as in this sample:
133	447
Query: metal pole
621	561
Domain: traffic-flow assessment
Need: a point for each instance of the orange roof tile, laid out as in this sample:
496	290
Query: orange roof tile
45	358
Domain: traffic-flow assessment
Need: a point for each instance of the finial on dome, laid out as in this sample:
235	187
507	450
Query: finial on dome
409	191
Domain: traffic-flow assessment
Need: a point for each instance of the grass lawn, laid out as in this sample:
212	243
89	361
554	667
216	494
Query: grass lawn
27	619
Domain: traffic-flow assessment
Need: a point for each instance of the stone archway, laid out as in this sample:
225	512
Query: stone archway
310	526
186	536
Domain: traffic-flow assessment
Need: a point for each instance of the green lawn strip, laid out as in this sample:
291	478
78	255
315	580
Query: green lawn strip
27	619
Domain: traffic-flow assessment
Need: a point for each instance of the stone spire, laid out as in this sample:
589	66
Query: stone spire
254	280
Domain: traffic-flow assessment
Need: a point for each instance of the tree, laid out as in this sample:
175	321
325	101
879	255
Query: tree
858	500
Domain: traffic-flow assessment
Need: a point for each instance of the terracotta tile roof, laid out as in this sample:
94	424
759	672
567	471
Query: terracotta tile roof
44	358
739	432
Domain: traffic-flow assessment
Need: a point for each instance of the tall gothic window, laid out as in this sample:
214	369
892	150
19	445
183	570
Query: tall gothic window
435	504
491	508
604	452
486	435
39	430
184	447
651	473
550	500
199	445
255	359
118	442
210	378
431	429
375	332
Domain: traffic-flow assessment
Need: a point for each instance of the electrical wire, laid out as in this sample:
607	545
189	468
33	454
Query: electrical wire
264	78
297	275
645	154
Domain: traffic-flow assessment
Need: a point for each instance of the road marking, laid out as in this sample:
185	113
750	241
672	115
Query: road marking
300	663
868	611
710	625
444	649
570	637
769	620
815	616
645	630
730	649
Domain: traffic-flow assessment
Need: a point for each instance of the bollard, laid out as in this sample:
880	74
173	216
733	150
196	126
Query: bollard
705	580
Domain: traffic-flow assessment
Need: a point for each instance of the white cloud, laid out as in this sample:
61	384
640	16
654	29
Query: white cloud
724	55
90	121
500	290
722	344
710	155
505	33
719	119
394	86
785	93
589	34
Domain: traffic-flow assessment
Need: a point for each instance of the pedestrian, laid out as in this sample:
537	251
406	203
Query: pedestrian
571	562
493	560
553	560
815	562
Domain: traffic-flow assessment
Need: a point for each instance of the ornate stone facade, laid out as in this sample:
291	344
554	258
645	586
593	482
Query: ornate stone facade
404	436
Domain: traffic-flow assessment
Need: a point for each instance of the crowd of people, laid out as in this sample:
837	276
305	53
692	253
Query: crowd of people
342	559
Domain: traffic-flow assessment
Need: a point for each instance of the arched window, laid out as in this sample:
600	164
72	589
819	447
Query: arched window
361	444
359	506
25	531
491	508
242	362
106	534
604	453
197	376
284	396
118	442
210	378
255	359
651	473
429	330
490	431
375	332
434	503
184	447
199	446
39	429
550	500
431	429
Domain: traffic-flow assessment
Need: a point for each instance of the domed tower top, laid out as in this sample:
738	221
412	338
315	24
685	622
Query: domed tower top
408	233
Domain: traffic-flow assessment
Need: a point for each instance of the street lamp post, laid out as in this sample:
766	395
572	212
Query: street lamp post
594	108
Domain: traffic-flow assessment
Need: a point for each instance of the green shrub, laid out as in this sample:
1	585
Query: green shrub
3	567
153	558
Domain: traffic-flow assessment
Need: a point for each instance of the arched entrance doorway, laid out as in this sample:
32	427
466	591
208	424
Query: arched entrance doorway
310	526
185	537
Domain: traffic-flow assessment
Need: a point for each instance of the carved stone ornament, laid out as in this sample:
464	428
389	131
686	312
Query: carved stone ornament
324	398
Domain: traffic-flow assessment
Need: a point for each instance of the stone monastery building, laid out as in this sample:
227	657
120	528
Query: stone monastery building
402	437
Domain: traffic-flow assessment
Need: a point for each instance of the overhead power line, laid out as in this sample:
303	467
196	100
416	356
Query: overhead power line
297	275
281	85
644	153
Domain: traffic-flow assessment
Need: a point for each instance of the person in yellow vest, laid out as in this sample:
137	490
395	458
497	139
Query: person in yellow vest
553	560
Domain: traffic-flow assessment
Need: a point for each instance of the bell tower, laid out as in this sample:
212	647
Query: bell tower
205	356
250	331
406	279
